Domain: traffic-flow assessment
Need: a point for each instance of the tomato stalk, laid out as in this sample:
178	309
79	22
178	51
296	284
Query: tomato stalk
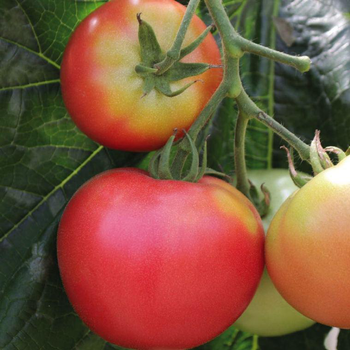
235	46
246	104
239	153
174	54
228	84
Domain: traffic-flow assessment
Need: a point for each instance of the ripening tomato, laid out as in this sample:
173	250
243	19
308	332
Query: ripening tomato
102	91
159	264
269	314
308	247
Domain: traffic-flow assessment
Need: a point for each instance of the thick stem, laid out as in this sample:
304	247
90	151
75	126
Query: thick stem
174	53
236	45
239	154
227	33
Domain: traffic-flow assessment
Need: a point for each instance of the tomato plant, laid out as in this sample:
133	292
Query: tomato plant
308	244
269	314
104	94
148	264
45	158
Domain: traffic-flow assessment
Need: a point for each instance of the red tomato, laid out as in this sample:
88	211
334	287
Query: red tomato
102	91
308	247
159	264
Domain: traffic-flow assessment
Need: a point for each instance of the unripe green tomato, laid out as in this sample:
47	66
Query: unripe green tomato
308	247
269	314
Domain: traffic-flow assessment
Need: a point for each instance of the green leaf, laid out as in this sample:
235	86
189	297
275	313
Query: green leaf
232	339
44	160
319	99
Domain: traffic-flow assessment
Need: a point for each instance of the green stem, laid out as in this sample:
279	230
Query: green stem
184	148
239	154
302	63
228	34
230	85
253	111
174	53
236	45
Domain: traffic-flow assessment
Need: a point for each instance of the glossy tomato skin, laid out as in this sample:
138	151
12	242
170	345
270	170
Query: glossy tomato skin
269	314
102	91
151	264
308	247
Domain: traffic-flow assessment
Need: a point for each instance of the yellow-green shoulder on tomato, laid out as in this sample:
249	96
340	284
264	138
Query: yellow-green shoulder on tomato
269	314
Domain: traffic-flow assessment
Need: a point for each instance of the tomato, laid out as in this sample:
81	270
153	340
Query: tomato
269	314
102	91
159	264
308	247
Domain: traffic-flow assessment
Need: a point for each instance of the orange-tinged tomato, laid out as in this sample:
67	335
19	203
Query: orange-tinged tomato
308	247
102	91
159	264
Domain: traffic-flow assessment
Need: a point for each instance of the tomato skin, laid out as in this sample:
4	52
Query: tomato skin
269	314
308	246
101	90
150	264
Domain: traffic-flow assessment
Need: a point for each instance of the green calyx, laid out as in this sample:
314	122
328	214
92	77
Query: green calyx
162	165
319	158
261	199
299	179
151	54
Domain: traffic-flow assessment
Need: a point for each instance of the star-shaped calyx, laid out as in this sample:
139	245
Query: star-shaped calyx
152	54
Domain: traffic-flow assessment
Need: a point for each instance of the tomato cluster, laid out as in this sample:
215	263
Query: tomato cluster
153	263
150	264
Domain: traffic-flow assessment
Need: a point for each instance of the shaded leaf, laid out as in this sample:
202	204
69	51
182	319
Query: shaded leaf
319	99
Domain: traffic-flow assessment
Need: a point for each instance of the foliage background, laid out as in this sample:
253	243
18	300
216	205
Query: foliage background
44	159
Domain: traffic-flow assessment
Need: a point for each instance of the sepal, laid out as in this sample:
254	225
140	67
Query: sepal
261	204
299	179
318	156
191	47
150	50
